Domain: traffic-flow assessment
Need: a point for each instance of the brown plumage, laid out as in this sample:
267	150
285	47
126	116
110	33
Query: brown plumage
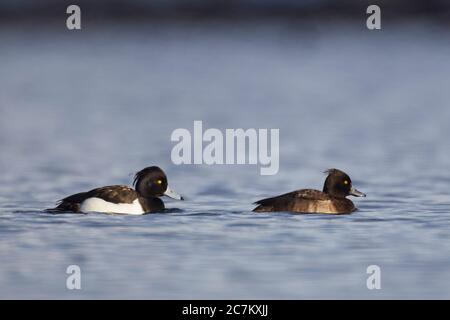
331	200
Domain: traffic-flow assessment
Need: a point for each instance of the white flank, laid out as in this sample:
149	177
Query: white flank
100	205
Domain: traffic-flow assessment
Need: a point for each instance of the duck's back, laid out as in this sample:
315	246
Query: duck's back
109	195
305	201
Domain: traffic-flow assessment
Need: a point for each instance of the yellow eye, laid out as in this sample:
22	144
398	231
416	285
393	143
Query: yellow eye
345	181
158	181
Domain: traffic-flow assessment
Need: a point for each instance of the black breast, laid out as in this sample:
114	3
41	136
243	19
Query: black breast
151	204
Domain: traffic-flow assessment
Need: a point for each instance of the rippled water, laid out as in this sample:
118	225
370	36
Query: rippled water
86	109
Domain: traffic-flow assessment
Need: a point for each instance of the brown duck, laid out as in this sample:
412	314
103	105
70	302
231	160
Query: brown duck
331	200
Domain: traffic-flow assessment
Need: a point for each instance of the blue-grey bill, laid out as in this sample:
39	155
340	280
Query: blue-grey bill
172	194
356	193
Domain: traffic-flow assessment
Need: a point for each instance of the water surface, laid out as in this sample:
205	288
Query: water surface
81	110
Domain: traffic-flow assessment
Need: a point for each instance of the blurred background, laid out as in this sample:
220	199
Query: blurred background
86	108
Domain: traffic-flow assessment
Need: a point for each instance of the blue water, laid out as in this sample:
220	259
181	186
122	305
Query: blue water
87	109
